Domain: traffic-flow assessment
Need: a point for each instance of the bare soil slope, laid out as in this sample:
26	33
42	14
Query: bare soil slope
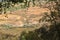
17	18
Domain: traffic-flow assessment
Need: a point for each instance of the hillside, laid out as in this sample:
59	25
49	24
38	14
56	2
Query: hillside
29	19
18	17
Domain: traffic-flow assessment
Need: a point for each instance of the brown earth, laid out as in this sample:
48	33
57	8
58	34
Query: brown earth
16	19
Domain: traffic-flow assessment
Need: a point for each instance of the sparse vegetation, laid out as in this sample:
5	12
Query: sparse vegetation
33	26
45	32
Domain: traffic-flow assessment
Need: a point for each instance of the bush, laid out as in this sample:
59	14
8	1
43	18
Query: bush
43	34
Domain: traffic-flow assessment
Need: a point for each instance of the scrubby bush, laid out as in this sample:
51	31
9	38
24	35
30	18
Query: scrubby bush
43	34
7	37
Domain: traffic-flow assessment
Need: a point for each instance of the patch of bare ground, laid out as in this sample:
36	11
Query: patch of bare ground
37	10
16	19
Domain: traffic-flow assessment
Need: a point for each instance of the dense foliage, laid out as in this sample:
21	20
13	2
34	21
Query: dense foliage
43	34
